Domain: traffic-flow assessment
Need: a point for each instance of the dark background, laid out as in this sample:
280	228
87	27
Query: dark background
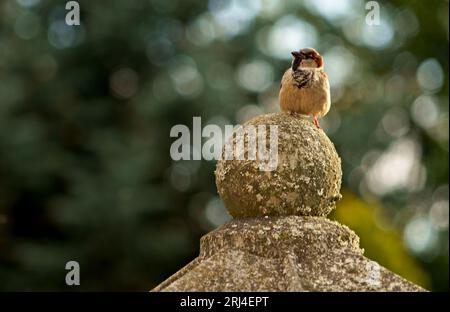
85	115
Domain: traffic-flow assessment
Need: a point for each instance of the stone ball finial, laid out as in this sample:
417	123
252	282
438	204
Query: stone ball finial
305	180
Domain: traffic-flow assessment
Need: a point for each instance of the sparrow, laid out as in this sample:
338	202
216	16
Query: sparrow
304	87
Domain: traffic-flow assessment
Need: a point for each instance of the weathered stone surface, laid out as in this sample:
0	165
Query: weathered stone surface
306	182
280	240
283	254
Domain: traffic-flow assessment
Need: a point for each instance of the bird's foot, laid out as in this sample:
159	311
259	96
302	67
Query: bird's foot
316	122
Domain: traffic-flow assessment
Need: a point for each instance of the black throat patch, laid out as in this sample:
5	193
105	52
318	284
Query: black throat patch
303	78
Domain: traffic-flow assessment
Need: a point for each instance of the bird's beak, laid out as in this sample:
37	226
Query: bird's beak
296	54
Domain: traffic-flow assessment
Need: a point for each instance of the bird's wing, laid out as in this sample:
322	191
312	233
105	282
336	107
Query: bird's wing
303	78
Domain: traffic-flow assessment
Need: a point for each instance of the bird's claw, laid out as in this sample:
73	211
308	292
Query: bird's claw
316	122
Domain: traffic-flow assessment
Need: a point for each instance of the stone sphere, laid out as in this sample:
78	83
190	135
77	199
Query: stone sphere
306	177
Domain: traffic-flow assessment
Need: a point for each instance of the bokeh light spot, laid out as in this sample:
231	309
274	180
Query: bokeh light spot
430	75
420	235
425	111
256	75
289	34
124	83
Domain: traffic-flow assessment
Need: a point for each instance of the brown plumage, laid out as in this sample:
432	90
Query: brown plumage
304	87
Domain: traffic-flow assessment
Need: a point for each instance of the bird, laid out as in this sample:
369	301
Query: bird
305	88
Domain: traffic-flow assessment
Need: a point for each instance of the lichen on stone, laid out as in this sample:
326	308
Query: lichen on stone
306	181
283	254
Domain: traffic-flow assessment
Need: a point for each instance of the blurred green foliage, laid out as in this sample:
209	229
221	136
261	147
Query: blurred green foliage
85	115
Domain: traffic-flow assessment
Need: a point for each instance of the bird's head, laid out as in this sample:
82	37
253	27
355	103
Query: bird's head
306	58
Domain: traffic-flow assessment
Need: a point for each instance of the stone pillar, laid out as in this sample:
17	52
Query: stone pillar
280	238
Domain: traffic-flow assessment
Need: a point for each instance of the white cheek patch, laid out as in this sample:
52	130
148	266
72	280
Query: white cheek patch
308	63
